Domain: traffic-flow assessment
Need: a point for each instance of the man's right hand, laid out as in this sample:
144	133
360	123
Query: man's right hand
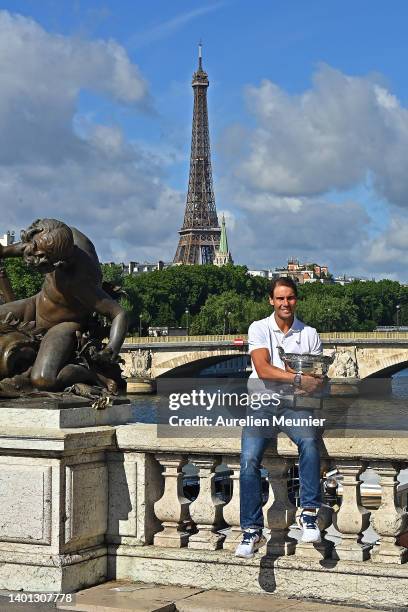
311	384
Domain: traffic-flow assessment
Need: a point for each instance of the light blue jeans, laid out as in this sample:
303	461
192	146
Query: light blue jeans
253	446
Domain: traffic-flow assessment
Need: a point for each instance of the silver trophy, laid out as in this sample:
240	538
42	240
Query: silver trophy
308	364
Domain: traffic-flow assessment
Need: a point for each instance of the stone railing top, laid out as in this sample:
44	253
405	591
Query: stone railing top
56	440
185	339
235	339
372	445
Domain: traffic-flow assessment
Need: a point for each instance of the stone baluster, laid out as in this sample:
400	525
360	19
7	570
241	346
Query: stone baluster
389	520
279	512
206	510
351	519
324	519
232	508
172	509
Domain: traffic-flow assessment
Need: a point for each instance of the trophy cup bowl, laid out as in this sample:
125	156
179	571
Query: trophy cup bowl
317	365
306	363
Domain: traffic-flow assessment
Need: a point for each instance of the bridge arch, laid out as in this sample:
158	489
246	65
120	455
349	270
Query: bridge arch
196	366
189	362
389	371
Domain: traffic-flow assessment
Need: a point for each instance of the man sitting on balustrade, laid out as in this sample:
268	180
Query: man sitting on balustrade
281	329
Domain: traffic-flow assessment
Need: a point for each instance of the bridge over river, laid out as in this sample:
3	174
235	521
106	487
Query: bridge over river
359	355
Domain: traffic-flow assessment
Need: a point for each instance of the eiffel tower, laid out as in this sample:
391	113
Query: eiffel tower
200	233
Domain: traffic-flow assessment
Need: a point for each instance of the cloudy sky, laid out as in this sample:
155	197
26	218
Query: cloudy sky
308	105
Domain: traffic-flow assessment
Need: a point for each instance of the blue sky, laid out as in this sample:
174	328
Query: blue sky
308	120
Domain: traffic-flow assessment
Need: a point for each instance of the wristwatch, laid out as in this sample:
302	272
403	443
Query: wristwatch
297	381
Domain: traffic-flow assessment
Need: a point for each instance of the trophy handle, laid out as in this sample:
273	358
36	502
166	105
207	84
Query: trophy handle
281	352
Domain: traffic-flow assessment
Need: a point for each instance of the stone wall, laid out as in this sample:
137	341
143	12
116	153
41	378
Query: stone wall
53	500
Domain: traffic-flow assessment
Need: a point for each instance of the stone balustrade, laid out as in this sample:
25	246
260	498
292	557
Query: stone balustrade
196	524
208	528
85	500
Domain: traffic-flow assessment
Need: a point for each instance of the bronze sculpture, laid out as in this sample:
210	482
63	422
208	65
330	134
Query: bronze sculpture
54	340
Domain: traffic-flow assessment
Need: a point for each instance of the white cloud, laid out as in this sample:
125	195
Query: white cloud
387	253
316	230
329	137
341	133
58	164
385	99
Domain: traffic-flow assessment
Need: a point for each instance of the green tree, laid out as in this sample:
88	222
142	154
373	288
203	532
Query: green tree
228	312
112	274
375	301
328	313
162	296
24	281
181	287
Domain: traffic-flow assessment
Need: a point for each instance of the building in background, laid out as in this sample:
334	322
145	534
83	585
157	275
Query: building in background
223	254
305	272
262	273
300	272
8	238
346	279
135	267
165	330
200	233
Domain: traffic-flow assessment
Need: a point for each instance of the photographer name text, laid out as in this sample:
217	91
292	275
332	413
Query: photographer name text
248	421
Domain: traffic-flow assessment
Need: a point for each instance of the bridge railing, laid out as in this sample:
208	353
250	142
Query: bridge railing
325	336
167	339
375	335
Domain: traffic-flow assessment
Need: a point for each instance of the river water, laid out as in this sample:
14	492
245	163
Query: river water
145	407
400	385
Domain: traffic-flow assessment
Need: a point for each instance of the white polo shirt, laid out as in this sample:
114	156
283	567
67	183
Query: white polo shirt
299	339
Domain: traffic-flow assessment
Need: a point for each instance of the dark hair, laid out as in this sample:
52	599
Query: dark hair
283	281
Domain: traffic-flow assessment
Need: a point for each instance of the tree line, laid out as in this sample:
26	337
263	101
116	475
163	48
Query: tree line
227	299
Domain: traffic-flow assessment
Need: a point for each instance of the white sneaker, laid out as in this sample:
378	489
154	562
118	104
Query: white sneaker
252	540
310	528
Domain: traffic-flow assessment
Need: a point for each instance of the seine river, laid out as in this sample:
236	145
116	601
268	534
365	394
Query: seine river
145	406
400	385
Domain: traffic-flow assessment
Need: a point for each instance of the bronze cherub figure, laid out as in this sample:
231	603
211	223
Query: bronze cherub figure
62	347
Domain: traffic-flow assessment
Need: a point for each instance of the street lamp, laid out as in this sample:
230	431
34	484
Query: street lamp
329	319
398	315
187	312
140	325
228	322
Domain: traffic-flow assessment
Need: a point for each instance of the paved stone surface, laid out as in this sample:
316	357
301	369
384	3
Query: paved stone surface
222	601
122	596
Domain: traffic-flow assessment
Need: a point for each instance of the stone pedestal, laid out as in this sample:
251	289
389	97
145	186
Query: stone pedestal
54	493
69	412
136	385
